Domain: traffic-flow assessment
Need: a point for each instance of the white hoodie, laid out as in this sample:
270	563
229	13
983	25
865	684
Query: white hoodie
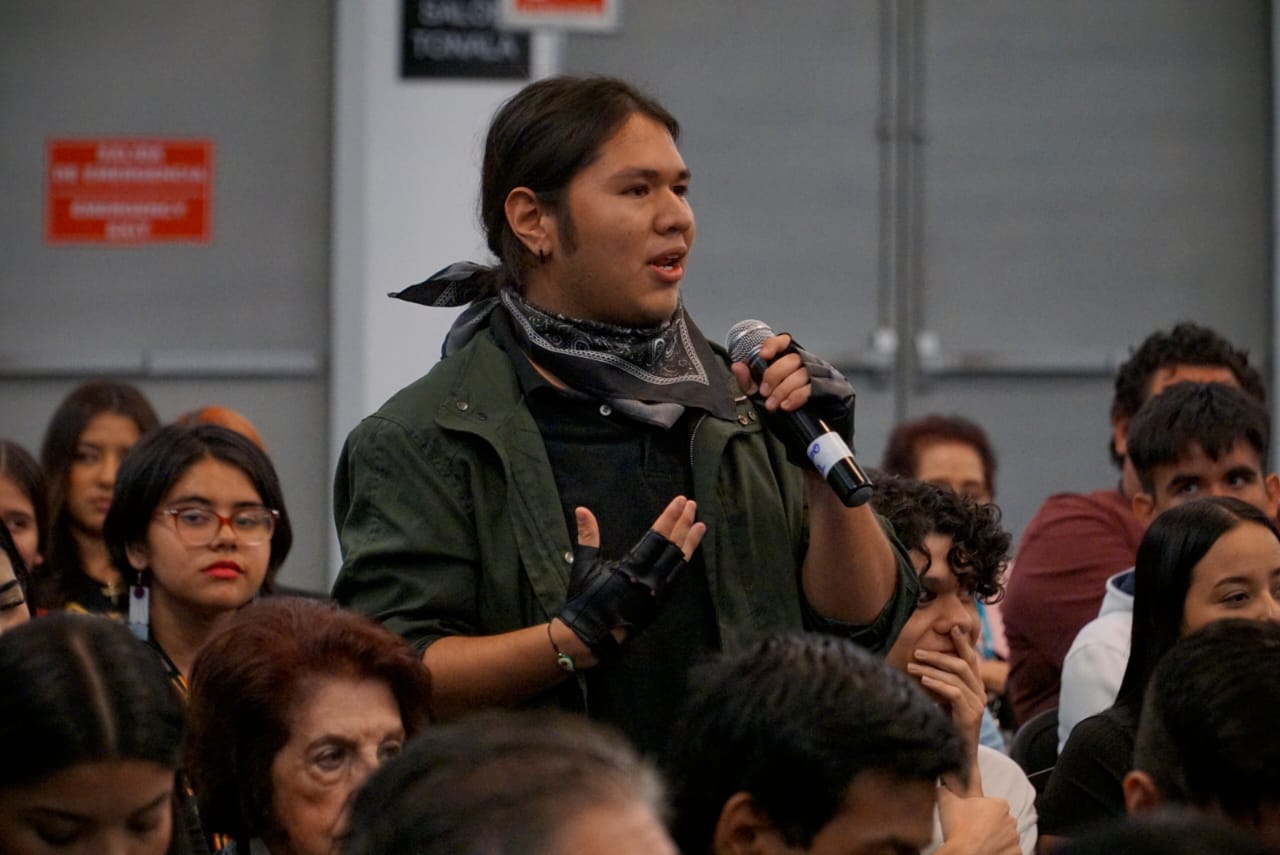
1095	664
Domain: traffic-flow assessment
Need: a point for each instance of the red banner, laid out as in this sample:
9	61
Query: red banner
128	191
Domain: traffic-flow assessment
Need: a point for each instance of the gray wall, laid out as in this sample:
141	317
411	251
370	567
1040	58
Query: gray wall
1026	188
1035	184
241	321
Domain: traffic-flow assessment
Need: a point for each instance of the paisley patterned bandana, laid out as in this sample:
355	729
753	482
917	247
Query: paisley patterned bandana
671	363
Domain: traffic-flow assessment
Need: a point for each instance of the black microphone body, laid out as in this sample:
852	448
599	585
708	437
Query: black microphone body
825	449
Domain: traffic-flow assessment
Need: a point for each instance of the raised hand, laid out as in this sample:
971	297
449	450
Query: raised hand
608	600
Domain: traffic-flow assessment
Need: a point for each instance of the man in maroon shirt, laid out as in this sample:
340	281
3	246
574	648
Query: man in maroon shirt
1077	541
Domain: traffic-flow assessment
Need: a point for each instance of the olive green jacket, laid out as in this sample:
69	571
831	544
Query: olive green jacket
450	521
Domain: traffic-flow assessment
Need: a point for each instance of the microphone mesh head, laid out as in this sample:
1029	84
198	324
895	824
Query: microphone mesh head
744	339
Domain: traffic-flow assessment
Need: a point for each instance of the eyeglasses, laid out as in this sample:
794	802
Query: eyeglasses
200	526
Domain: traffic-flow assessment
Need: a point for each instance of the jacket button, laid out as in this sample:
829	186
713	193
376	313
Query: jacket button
742	420
568	558
606	410
462	406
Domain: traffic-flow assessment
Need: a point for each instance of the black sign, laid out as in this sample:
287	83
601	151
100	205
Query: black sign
458	38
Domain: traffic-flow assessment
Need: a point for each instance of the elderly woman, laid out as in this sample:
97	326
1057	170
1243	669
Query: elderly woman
292	705
92	742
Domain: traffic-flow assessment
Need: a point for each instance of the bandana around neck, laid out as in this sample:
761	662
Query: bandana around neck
668	364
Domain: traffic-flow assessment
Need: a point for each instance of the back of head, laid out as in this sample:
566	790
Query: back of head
980	548
901	454
1165	833
540	139
82	689
225	416
1172	546
497	782
1207	731
1185	344
248	680
161	458
792	721
1213	416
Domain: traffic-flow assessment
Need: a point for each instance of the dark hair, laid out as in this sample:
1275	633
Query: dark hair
1210	415
249	678
17	464
980	546
1207	731
1174	543
792	721
908	439
161	458
1165	832
496	781
541	138
10	550
57	453
1185	344
82	689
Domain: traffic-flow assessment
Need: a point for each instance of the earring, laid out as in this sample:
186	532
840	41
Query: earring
140	609
542	256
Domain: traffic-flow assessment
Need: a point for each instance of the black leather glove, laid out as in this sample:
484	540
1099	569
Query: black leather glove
831	399
607	595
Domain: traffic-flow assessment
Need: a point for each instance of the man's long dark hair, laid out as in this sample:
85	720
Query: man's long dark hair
541	138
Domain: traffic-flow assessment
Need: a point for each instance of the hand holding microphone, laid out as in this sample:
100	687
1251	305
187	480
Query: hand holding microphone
808	430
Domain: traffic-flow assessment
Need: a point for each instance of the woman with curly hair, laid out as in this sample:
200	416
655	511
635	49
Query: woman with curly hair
960	551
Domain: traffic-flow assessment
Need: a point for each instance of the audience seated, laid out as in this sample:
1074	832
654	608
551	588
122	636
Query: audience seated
953	452
1207	739
1076	542
292	705
948	451
517	783
1190	440
92	734
959	550
13	584
199	518
1200	562
806	742
24	502
85	442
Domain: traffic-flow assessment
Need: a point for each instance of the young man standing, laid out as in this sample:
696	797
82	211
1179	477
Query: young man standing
1190	441
582	499
1076	541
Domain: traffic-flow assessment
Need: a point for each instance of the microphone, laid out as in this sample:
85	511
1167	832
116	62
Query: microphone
826	450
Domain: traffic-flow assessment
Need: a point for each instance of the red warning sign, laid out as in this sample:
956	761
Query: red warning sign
601	15
128	191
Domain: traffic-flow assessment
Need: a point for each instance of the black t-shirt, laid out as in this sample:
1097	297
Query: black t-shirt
626	472
1086	786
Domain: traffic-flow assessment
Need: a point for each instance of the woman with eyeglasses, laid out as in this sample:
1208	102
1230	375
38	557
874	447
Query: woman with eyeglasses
198	517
